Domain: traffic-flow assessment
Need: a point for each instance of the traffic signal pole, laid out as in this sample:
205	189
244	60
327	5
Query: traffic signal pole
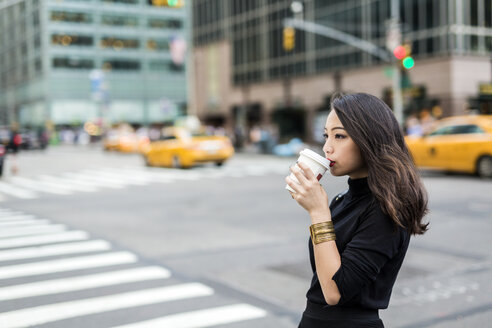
397	95
364	45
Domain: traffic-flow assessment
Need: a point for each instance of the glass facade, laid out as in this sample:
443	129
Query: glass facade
254	29
50	45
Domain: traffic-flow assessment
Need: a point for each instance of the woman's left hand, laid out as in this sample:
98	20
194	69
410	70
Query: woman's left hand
308	192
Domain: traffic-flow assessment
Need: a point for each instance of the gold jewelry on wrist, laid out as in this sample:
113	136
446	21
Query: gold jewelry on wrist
321	232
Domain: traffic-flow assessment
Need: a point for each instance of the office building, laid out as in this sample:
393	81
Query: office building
244	76
71	61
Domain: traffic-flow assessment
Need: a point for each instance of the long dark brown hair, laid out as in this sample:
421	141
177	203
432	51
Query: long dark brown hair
392	175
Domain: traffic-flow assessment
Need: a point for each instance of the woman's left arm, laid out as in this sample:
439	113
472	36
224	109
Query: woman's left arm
313	198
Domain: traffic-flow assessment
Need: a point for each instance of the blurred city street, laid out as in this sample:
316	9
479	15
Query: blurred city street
144	146
181	244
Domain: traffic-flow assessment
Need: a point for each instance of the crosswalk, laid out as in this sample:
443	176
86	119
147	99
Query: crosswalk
45	276
94	180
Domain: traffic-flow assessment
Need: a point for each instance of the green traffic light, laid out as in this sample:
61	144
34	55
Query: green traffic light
408	62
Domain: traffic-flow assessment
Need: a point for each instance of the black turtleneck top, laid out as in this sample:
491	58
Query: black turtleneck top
371	247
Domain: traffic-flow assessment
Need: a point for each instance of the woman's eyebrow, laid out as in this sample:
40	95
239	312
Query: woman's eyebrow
337	127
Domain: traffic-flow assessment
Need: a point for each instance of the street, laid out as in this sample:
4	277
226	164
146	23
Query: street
96	239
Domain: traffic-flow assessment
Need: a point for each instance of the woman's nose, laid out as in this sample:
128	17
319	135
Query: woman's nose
328	149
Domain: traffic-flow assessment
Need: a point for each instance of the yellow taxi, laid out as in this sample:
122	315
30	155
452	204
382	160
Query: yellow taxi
180	148
124	140
458	143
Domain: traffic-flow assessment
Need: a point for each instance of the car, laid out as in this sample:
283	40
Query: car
456	144
180	148
124	140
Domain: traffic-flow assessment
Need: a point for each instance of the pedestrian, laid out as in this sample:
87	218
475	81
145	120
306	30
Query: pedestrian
358	241
15	143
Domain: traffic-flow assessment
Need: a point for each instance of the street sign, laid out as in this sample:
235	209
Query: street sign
393	35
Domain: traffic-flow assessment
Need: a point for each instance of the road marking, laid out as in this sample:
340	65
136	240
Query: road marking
89	180
39	186
45	239
23	223
114	177
151	176
175	173
17	192
63	265
71	178
51	250
57	286
137	178
31	230
203	318
16	217
68	185
60	311
97	180
7	212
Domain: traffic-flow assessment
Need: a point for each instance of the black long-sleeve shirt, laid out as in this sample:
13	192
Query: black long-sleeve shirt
371	247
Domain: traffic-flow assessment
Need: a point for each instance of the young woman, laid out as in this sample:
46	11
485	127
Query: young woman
359	241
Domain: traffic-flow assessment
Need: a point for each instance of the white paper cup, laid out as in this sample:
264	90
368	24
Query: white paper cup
318	164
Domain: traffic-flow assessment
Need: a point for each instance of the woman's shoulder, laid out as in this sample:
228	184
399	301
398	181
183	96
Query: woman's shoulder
374	214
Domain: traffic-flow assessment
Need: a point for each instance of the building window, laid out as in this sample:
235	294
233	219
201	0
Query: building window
71	17
38	65
119	43
474	12
119	20
73	63
157	44
35	19
37	41
126	2
122	65
488	13
159	65
164	23
72	40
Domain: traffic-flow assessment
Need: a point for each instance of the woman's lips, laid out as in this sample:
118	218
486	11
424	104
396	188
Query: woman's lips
332	163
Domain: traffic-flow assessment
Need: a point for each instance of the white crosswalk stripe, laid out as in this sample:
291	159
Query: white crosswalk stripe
51	250
22	223
16	192
31	230
93	261
42	186
57	286
203	318
69	185
43	239
49	313
52	279
93	180
14	217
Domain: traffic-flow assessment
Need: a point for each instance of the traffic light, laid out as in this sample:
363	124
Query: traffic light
289	38
402	53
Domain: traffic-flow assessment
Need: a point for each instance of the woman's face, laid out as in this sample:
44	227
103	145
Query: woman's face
341	150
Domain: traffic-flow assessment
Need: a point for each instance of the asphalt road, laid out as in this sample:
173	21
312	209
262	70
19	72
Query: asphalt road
209	243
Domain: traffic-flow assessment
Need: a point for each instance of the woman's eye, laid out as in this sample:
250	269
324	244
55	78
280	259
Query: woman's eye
339	136
325	136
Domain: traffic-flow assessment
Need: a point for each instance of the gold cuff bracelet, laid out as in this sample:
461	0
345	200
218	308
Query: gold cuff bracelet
321	232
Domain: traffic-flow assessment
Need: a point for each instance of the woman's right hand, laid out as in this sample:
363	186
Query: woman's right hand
309	193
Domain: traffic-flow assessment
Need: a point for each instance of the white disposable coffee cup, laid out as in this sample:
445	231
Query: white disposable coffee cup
318	164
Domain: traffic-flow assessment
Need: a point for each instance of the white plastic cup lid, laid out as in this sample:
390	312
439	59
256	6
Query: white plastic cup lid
314	156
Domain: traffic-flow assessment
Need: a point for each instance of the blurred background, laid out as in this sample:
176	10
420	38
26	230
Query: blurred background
144	145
